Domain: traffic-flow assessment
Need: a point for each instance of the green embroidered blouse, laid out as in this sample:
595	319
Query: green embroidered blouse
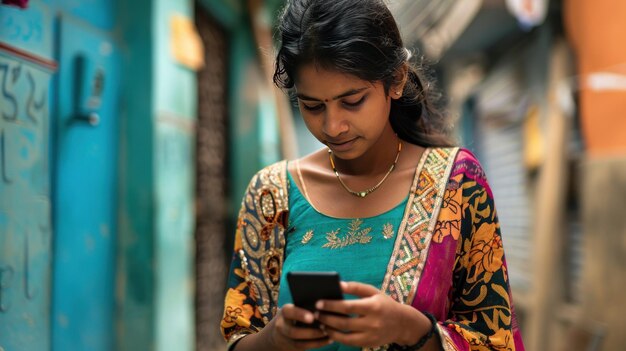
357	248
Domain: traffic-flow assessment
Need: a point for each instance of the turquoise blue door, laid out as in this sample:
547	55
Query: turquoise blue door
84	189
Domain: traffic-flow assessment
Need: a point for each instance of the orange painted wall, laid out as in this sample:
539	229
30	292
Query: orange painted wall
597	31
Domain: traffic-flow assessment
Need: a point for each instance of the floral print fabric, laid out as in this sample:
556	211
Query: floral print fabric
475	305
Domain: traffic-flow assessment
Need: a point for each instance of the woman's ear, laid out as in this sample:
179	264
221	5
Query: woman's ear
402	75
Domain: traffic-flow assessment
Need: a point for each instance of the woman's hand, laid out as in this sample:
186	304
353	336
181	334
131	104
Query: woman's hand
373	320
285	335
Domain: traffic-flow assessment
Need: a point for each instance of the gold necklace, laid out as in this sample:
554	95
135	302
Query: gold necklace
366	192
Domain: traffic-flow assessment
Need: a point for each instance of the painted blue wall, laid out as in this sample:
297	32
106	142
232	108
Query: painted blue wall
175	105
136	272
85	188
25	228
122	276
25	219
110	207
155	262
61	174
29	30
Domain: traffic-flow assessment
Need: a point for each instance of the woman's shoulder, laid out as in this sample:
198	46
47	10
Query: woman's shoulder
276	174
462	159
467	168
273	169
311	166
466	159
462	154
273	174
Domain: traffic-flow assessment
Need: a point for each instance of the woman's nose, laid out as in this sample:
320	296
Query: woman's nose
334	123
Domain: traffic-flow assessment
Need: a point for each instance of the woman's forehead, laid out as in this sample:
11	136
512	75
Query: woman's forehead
313	79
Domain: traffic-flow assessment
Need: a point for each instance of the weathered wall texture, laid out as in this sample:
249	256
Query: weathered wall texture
604	277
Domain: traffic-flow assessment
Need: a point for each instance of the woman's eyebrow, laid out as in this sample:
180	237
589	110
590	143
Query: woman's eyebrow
342	95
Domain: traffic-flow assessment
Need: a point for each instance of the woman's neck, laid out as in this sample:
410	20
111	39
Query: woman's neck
376	160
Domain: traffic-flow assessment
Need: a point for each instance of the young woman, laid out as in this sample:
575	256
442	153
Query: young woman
408	221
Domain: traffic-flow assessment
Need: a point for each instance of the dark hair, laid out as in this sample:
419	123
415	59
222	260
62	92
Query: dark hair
361	38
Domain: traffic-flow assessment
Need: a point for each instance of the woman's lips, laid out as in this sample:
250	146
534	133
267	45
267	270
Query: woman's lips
341	146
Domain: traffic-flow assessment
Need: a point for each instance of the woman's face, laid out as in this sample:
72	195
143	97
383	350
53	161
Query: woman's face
345	113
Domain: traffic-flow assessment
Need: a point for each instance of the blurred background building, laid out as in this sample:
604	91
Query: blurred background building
130	129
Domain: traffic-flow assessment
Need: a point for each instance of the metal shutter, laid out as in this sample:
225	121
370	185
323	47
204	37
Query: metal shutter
501	105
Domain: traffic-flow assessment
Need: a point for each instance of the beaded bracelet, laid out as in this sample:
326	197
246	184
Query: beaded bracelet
423	340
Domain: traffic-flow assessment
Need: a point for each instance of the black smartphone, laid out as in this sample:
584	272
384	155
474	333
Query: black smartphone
309	287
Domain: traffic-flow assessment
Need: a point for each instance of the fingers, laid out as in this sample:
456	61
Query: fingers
350	307
343	324
286	324
351	331
293	313
359	289
371	300
303	334
302	338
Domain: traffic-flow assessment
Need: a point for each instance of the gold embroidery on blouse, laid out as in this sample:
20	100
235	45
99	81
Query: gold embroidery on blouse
307	237
388	231
355	235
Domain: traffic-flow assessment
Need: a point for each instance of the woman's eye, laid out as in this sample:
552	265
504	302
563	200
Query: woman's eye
356	103
317	107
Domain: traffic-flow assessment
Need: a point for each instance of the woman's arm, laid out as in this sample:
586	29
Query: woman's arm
251	318
481	315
